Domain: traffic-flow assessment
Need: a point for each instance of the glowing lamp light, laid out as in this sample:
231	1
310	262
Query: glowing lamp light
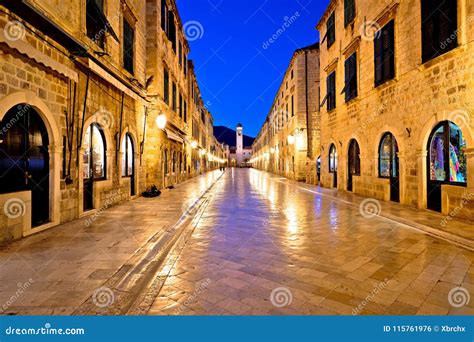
203	152
291	139
272	150
194	144
161	121
300	141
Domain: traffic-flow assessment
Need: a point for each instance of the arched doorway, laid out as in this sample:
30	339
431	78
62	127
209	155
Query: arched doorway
353	163
94	162
389	164
128	161
446	161
333	164
24	159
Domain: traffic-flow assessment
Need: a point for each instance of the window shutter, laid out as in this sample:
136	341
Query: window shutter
163	16
378	59
388	51
447	25
349	11
428	39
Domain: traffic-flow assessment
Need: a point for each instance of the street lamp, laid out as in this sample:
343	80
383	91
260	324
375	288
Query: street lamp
203	152
291	139
272	150
161	121
194	144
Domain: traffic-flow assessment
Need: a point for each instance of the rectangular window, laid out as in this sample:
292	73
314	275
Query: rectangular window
180	54
331	91
96	21
173	99
292	105
349	11
180	105
292	74
166	86
128	43
439	25
185	65
164	16
384	54
350	88
331	30
172	30
185	113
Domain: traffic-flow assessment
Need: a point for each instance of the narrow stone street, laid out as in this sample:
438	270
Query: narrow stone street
57	271
259	244
265	245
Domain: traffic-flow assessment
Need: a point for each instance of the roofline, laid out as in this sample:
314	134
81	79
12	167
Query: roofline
312	47
329	8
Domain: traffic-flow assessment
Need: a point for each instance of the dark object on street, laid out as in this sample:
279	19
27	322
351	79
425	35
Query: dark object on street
152	192
170	187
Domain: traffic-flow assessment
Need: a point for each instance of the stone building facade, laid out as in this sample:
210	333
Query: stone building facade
81	90
288	143
397	118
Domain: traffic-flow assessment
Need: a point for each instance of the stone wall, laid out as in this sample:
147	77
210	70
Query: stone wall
409	106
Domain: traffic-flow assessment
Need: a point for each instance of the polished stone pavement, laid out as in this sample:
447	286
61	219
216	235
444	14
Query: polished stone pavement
261	244
56	271
268	245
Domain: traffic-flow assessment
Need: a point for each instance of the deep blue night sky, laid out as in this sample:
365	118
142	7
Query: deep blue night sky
238	78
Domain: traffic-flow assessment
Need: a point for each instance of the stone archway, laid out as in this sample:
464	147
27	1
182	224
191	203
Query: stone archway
29	99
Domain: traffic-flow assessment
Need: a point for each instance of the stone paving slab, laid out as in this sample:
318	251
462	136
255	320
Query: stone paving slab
60	269
264	246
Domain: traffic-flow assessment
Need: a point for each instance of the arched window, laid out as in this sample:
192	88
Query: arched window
127	156
94	153
332	159
165	161
388	158
447	158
